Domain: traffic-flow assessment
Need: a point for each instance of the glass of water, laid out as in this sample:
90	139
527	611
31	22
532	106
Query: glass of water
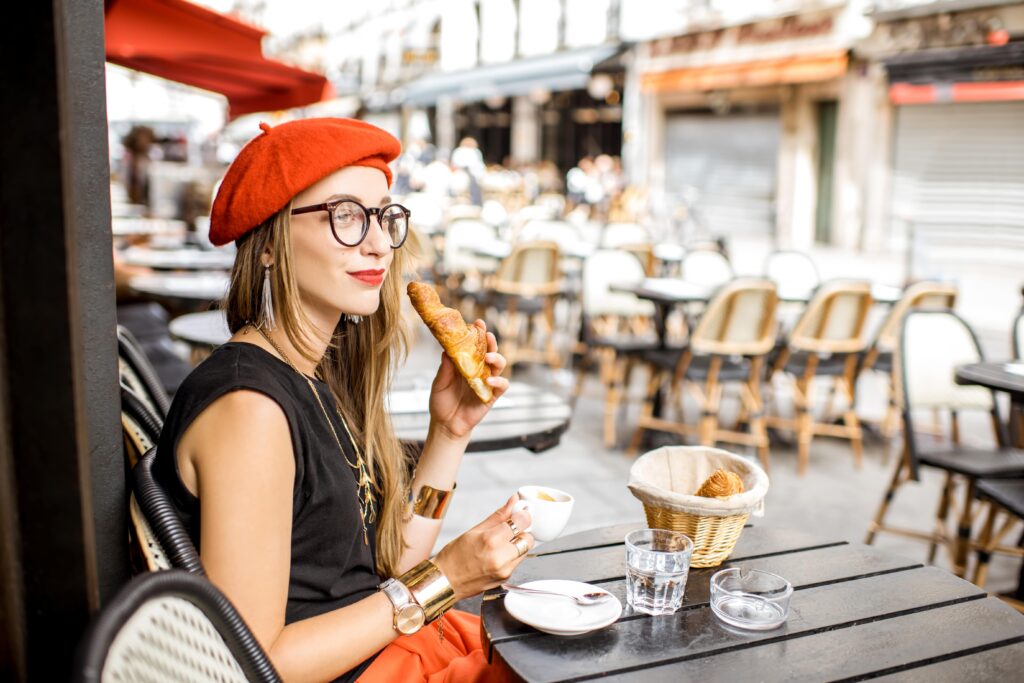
657	564
750	598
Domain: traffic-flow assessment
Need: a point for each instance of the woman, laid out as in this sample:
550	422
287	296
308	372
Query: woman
278	452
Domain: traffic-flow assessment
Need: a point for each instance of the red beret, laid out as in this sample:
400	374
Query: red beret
284	160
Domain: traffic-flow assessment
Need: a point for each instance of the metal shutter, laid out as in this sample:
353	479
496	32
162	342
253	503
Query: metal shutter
959	176
731	160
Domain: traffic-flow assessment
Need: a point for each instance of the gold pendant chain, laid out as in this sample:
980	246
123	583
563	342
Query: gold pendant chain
367	507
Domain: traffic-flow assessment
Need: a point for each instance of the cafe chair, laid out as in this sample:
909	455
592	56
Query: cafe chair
140	426
163	519
729	345
1005	498
616	326
138	374
457	212
427	212
524	291
879	355
795	269
463	272
825	342
171	627
616	235
532	212
706	267
141	430
932	344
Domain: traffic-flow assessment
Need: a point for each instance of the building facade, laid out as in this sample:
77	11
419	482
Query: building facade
751	121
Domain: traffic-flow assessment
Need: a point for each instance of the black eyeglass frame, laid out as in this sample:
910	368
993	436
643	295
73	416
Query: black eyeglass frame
368	214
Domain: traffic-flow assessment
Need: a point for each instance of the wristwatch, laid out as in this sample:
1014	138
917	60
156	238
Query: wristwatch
409	615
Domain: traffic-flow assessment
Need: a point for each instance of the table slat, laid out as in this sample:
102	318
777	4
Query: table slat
996	664
864	649
691	633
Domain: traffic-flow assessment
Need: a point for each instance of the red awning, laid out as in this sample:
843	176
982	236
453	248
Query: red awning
182	42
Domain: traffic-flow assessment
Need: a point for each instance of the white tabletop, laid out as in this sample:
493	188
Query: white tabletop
209	328
199	286
179	259
145	226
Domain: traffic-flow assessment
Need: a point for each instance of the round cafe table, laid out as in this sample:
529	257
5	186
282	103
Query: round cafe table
179	259
856	613
123	226
206	329
182	290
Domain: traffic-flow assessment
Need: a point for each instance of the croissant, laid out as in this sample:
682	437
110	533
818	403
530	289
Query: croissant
721	484
464	344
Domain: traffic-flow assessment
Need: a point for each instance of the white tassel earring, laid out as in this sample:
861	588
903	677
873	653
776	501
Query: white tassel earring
354	319
267	321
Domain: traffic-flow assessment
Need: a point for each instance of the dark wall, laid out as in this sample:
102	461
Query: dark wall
62	519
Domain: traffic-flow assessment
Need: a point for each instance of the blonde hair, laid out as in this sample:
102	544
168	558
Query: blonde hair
358	365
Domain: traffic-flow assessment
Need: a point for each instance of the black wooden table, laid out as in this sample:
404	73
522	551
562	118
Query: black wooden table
855	613
525	416
1002	376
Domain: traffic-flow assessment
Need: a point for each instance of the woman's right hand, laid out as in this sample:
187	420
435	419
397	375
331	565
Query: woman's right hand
484	557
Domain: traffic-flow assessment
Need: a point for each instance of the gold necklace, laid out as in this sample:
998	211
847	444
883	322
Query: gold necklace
367	506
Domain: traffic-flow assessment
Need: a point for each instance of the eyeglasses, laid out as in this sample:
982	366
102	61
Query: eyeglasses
350	221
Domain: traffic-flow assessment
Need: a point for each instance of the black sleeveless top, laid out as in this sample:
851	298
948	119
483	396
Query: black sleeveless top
331	566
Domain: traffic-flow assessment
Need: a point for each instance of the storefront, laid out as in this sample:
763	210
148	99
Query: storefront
742	128
958	145
556	107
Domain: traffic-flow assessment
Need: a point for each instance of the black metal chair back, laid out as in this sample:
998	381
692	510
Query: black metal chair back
138	374
932	343
171	617
164	520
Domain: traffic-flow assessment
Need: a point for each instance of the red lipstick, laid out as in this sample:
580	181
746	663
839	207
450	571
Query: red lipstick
369	277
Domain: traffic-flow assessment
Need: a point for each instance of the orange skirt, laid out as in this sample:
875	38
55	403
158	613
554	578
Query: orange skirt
424	658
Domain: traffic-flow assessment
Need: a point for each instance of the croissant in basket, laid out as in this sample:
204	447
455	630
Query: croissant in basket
721	484
465	344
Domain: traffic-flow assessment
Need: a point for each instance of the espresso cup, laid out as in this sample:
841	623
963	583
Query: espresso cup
549	510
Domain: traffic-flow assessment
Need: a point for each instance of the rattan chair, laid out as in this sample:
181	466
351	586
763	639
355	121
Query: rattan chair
463	273
729	345
617	235
164	521
878	357
139	375
171	627
524	292
826	341
616	327
140	429
794	269
706	267
932	344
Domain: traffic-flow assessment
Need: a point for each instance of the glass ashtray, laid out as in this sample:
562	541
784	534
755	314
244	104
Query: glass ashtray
750	598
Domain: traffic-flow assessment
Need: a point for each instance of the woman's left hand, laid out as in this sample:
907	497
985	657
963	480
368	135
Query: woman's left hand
454	407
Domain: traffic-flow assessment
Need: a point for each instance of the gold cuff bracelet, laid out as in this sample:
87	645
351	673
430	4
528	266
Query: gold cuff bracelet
430	588
429	502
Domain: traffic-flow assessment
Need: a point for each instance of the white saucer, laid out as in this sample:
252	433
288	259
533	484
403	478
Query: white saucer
562	616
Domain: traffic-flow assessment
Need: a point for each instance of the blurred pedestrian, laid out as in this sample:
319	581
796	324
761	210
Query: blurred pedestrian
468	158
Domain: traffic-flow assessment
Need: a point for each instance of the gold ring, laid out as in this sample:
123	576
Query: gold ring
513	527
521	544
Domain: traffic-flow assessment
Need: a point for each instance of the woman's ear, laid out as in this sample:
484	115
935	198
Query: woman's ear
266	258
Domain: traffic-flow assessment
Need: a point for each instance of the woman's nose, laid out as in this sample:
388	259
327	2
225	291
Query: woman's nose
377	239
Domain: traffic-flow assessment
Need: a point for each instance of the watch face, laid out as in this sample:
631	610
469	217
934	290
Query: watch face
409	619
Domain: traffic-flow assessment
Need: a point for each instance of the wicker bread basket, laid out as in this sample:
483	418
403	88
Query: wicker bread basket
664	480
